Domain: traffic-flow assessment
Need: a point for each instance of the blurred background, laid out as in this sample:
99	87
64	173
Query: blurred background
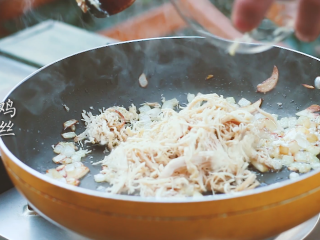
16	15
34	33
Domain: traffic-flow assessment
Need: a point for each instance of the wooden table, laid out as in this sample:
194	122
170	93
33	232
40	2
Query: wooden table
23	53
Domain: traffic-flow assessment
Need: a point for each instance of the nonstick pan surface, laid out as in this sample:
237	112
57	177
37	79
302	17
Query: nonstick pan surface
108	76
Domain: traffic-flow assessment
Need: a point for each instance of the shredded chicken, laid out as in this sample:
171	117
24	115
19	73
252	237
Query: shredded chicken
108	128
207	146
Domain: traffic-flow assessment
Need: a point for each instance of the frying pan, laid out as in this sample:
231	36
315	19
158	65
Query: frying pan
108	76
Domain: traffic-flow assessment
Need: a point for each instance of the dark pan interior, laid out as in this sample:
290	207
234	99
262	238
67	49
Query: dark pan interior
109	75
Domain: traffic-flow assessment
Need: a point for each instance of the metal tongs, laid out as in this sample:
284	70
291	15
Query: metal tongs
104	8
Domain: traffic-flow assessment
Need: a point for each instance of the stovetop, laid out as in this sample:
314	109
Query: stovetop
19	222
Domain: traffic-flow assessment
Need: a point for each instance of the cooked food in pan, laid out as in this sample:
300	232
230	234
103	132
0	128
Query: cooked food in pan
173	150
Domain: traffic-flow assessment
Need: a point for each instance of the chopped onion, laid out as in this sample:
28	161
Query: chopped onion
153	113
300	167
209	77
287	160
68	151
310	112
99	177
63	147
69	123
270	83
152	104
143	81
69	135
170	104
58	158
144	108
53	173
244	102
70	167
72	181
294	175
308	86
317	82
261	167
190	97
66	107
253	107
230	100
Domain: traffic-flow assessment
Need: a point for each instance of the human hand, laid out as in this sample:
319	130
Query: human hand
248	14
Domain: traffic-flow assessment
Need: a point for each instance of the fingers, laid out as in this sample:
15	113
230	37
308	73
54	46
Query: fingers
248	14
308	20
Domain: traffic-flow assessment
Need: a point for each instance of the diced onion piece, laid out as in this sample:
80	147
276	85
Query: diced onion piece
73	181
58	148
153	113
61	169
190	97
300	167
306	157
66	160
253	107
275	116
268	124
294	175
143	81
270	83
244	102
287	160
308	86
170	104
302	142
70	167
304	121
99	177
73	128
303	130
197	194
294	147
317	82
76	158
274	163
58	158
76	170
292	121
261	167
312	138
258	116
66	107
209	77
315	165
69	135
53	173
152	104
144	108
315	150
283	122
310	112
283	150
69	123
230	100
61	147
